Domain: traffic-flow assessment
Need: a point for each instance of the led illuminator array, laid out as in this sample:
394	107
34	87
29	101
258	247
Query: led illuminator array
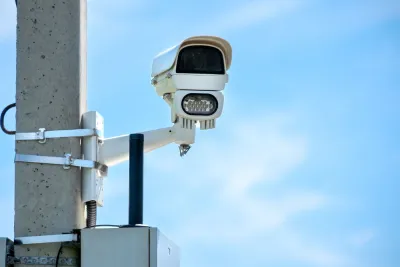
200	104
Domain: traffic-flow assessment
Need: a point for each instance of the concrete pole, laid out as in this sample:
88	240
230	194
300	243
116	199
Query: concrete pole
51	94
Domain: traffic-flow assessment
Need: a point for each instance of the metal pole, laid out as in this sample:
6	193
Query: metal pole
51	94
136	179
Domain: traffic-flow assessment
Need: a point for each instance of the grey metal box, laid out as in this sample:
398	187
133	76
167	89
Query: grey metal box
6	249
125	247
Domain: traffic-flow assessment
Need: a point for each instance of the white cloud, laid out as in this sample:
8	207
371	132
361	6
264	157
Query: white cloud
253	216
7	218
252	12
261	150
304	250
7	19
362	237
114	187
7	194
231	17
243	205
325	23
294	21
113	18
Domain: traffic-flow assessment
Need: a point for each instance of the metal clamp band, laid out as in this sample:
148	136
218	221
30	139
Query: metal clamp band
27	240
32	260
66	161
42	134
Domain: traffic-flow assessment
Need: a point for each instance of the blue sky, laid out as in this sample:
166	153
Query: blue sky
302	169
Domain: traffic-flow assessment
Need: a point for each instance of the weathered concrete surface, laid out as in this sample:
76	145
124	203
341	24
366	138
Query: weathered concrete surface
51	94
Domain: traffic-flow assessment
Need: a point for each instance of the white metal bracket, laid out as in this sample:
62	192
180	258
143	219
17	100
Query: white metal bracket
115	150
67	162
42	134
93	169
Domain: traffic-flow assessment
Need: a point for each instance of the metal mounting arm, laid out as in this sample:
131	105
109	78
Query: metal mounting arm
115	150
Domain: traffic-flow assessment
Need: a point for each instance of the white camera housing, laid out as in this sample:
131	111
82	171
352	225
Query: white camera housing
193	92
196	66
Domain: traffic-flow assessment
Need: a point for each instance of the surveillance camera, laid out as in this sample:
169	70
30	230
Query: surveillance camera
190	77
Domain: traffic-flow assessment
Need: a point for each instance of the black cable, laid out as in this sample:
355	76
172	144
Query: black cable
3	114
58	254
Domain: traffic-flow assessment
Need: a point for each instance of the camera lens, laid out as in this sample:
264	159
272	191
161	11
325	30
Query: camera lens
200	59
